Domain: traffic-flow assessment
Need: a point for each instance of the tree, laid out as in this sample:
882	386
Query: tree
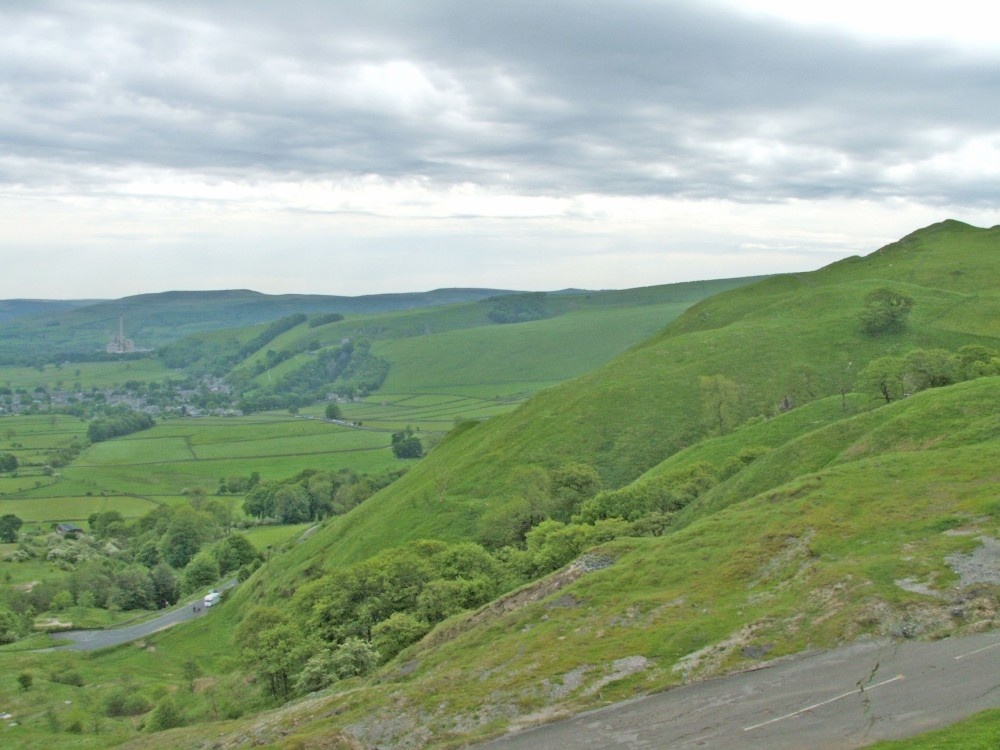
165	585
397	632
332	411
930	368
233	553
354	658
291	504
885	312
273	648
8	462
9	526
720	399
407	445
10	626
166	715
203	570
184	537
259	501
133	588
507	523
572	483
885	377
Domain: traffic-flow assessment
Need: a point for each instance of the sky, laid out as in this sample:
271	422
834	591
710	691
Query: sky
333	147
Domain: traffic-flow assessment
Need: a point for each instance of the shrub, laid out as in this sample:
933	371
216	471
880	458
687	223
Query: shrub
391	636
67	677
166	715
354	658
125	702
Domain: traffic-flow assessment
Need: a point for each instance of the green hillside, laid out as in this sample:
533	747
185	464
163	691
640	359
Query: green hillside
794	337
846	517
787	465
869	544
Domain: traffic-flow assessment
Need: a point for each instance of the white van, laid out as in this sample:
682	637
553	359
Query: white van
212	597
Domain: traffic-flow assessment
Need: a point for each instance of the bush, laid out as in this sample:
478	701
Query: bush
391	636
166	715
354	658
67	677
318	672
10	626
125	702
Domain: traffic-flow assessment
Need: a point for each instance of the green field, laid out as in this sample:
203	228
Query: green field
81	375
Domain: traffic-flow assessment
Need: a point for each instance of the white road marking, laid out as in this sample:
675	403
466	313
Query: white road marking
823	703
978	650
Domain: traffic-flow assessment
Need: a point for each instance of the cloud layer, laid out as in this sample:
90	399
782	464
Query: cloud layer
446	119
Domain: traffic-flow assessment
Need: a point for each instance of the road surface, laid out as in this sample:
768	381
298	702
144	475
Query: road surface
89	640
844	698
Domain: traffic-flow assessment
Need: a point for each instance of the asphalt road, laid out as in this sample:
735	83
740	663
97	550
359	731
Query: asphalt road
89	640
834	700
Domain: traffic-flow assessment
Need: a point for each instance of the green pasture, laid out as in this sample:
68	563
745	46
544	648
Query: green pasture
133	473
263	537
536	354
83	375
53	509
423	412
173	477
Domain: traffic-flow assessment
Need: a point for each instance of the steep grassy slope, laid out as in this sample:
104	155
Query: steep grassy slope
791	337
867	544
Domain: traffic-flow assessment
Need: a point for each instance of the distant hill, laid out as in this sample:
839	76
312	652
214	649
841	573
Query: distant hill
39	330
11	309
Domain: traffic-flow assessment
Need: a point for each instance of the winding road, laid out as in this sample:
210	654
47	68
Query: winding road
845	698
90	640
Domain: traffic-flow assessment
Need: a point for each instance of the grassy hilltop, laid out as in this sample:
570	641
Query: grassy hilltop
736	487
792	337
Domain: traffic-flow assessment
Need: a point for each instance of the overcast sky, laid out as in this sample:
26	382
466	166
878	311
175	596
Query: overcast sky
359	147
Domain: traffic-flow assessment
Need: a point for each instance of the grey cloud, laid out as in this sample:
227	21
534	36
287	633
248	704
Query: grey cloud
551	97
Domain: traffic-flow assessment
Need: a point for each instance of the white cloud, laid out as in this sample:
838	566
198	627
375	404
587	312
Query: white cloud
386	146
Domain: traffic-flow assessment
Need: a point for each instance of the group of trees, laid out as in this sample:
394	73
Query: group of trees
517	308
349	620
350	369
312	495
117	422
8	463
407	445
10	525
894	377
125	564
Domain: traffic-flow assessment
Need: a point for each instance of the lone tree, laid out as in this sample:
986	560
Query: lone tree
9	526
8	462
885	313
407	445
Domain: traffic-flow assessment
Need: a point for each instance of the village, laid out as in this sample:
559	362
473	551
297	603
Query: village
182	398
